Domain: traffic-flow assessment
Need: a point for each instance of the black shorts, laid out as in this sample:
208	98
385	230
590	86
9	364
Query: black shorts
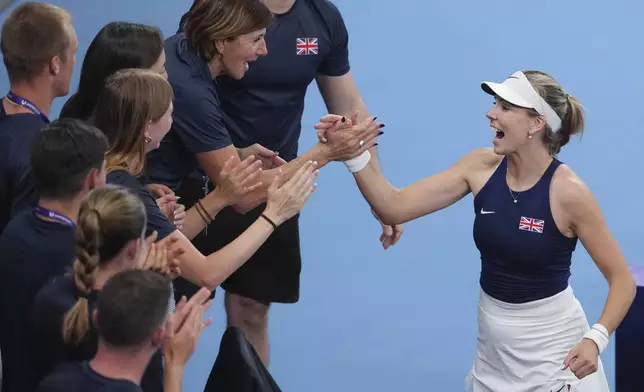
272	274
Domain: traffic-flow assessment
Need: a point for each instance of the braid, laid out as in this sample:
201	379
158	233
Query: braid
88	245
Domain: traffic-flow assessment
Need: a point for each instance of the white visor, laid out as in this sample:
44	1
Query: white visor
518	91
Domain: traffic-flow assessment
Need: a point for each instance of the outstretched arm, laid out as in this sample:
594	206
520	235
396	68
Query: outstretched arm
213	162
396	206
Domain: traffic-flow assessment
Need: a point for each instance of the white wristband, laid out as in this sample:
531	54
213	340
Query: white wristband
358	163
598	334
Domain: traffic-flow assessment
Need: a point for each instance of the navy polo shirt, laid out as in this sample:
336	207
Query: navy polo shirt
33	251
17	187
80	377
46	329
197	124
266	105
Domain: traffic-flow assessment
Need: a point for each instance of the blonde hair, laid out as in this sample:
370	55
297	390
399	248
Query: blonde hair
209	21
130	99
567	107
109	218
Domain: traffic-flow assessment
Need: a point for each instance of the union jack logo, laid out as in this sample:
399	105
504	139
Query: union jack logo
531	224
306	46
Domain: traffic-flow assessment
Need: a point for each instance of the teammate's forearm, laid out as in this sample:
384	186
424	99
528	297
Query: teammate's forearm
211	270
363	113
228	259
172	377
194	222
317	154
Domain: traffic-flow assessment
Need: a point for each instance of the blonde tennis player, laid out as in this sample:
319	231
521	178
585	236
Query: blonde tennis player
531	211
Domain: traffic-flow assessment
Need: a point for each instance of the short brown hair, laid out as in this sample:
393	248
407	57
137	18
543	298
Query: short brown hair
32	35
130	98
211	20
567	107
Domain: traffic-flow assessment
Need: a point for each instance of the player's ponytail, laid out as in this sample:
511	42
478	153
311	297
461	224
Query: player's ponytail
567	107
109	218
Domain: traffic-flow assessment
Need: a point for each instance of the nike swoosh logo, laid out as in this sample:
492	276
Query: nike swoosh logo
483	212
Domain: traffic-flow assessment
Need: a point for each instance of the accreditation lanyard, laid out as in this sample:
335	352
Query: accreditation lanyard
25	103
56	217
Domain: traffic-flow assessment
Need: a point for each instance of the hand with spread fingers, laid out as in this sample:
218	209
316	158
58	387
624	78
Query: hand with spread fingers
235	182
160	257
286	199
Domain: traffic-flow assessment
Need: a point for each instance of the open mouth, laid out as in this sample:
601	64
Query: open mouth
499	134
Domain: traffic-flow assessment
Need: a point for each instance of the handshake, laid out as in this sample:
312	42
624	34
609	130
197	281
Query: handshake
259	175
341	139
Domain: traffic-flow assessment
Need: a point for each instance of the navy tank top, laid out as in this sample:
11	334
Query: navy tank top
524	256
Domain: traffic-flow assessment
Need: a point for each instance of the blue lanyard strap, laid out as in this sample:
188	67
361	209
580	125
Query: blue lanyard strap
56	217
25	103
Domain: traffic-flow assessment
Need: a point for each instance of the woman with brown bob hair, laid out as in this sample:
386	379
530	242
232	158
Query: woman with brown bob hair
134	110
221	40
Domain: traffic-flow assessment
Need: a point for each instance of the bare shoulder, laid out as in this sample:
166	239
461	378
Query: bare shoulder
478	166
480	159
568	187
573	195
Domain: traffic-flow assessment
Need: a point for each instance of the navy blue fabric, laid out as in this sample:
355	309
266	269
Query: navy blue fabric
524	256
156	219
629	348
266	105
48	312
17	188
197	126
80	377
33	252
47	315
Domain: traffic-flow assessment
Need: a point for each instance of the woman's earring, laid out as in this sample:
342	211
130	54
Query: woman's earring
529	136
148	139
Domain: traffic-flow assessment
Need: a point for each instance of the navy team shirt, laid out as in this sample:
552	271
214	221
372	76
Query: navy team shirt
51	304
197	124
33	251
157	221
524	256
46	327
17	187
80	377
265	106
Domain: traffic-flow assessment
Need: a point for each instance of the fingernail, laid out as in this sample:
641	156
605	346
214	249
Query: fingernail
315	162
382	125
375	144
380	133
343	119
374	119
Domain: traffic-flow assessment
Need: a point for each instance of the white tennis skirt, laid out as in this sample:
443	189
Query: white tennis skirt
521	347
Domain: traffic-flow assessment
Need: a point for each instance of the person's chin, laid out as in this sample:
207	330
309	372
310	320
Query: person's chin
499	147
